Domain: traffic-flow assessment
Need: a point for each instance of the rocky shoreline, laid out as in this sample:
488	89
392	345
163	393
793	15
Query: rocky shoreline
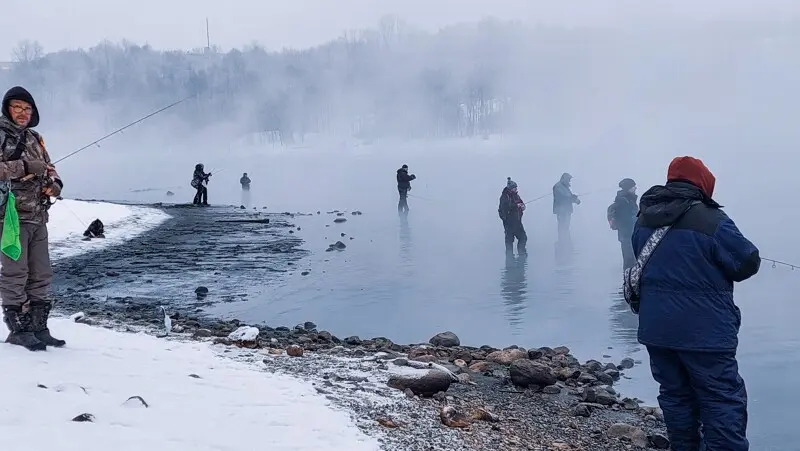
434	396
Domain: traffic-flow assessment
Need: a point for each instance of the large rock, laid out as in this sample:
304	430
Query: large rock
568	373
480	366
451	417
418	351
294	351
427	385
632	433
658	441
445	340
525	373
245	336
507	356
599	396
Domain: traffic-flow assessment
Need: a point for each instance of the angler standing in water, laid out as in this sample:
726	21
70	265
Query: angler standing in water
510	211
562	205
687	316
621	217
199	179
28	177
403	187
245	182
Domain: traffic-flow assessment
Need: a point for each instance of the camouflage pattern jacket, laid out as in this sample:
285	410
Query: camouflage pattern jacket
31	201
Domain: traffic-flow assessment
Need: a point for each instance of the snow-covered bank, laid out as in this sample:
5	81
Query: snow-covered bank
69	218
196	400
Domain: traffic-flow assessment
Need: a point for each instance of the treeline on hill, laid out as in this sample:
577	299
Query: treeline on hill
465	80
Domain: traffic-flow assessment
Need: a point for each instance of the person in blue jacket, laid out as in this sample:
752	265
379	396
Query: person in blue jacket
687	318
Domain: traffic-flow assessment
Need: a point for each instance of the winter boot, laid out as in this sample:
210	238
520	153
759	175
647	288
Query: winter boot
40	312
19	324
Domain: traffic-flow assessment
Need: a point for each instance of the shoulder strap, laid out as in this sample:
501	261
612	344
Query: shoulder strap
21	143
658	235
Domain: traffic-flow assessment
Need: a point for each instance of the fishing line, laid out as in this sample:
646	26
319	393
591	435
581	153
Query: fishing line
73	213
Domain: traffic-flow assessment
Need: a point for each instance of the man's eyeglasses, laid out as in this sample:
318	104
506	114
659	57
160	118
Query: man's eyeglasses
21	109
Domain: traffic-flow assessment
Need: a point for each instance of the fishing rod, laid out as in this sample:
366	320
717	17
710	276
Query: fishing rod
119	130
775	263
421	198
579	195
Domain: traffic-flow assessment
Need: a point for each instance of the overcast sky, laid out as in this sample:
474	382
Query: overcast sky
60	24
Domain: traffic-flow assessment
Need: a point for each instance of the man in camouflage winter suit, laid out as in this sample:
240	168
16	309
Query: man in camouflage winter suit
26	169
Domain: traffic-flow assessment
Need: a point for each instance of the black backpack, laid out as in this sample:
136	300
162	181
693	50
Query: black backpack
611	216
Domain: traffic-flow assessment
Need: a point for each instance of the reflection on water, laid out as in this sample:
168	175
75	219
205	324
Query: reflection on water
405	236
624	323
514	287
564	252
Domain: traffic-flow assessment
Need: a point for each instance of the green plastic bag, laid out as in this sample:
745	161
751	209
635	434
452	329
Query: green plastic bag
9	242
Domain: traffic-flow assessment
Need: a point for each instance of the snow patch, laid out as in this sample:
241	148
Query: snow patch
244	333
190	399
69	218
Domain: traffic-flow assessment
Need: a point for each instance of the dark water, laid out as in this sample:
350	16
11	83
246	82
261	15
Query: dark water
445	268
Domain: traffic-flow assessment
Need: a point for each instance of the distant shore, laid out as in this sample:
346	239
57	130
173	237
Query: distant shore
438	395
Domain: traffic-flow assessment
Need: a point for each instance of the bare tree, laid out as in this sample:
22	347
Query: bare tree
27	51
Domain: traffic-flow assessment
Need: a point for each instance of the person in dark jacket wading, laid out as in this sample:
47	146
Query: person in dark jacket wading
245	182
622	217
199	180
687	318
403	187
562	206
510	211
27	171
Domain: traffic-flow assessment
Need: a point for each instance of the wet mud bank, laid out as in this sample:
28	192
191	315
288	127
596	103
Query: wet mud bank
438	395
228	251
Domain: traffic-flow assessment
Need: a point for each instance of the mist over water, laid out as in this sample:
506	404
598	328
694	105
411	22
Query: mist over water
464	108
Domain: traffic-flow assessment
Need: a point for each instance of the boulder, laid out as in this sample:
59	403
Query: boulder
507	356
658	441
551	390
427	385
525	373
632	433
245	336
425	358
598	396
626	364
445	340
480	366
294	351
451	417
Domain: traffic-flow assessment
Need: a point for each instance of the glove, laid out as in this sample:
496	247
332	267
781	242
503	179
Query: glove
35	167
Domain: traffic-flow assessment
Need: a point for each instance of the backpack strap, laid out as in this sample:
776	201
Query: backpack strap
655	238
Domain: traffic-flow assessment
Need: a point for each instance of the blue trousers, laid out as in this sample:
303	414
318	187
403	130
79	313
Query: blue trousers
703	397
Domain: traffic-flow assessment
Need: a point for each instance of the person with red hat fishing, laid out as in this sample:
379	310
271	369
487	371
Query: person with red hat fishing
689	255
